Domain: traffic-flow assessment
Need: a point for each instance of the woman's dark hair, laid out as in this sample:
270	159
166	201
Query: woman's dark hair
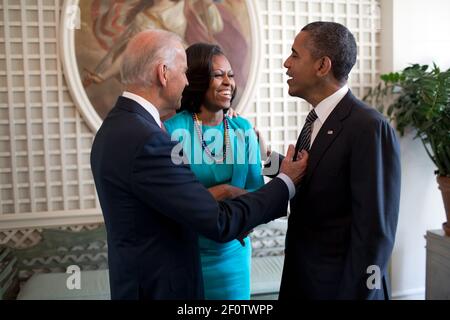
199	74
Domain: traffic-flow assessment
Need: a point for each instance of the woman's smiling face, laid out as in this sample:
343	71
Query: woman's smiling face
222	85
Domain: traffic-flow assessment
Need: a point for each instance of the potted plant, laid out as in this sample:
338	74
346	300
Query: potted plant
418	97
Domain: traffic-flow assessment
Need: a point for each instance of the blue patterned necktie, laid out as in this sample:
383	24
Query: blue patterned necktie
304	140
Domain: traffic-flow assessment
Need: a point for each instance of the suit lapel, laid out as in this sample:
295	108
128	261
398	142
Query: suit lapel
328	133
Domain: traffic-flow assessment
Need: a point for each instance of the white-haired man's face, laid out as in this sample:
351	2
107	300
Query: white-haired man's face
176	79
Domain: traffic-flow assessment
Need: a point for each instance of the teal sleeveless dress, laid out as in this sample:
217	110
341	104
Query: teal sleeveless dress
225	266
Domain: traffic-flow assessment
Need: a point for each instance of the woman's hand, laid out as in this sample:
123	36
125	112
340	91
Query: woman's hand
226	191
235	191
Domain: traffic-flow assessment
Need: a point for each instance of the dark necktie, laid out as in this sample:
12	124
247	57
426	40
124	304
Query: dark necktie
304	140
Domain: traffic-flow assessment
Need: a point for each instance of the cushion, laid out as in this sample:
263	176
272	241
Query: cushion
94	285
8	273
265	279
266	274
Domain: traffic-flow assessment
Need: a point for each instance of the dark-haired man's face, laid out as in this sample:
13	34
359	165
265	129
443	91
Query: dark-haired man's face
301	68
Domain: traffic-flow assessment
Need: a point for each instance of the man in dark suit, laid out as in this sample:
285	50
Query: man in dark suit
153	208
343	219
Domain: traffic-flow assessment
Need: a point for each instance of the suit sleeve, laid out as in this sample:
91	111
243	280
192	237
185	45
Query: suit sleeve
375	188
174	191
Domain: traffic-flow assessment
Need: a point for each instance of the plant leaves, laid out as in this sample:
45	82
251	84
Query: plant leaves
419	98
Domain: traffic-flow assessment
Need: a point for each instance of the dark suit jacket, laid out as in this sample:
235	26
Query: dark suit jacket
344	215
153	209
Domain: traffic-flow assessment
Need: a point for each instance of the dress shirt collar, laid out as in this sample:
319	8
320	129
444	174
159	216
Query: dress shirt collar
145	104
327	105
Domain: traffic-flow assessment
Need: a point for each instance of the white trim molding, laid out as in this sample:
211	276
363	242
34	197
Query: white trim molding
70	11
256	27
50	219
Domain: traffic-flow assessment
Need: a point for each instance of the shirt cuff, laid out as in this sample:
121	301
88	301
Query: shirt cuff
289	184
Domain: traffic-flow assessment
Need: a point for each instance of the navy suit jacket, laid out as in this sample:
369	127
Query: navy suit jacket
344	215
153	209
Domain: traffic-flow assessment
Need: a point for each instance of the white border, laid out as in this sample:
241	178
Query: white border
70	66
78	93
253	75
50	219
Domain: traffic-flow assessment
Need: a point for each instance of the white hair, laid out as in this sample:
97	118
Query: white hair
144	52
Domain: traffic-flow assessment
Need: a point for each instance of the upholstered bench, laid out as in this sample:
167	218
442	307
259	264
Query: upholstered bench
267	259
42	269
266	277
94	284
8	273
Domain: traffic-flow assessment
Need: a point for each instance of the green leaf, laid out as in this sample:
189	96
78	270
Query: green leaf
419	98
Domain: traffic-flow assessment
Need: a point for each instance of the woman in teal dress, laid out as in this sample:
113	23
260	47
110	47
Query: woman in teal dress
223	153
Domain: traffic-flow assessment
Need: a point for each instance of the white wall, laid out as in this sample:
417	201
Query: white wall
421	32
415	31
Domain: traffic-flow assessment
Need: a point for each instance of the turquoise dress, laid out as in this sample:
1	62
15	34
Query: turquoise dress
225	266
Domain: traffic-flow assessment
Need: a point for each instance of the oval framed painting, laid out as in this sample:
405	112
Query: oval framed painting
94	34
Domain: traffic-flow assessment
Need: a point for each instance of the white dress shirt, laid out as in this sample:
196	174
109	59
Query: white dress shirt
145	104
324	109
289	183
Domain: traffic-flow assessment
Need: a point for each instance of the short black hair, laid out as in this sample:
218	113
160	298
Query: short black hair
199	61
335	41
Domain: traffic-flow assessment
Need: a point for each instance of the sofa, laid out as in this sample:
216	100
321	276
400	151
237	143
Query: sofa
44	271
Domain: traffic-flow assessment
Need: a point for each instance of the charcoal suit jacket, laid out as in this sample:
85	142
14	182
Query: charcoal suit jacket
343	219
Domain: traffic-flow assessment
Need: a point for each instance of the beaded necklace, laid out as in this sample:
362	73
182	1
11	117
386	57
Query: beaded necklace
226	139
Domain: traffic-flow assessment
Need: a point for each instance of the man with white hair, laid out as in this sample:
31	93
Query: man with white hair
153	208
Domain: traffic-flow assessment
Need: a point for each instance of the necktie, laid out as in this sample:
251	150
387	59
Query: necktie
304	140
